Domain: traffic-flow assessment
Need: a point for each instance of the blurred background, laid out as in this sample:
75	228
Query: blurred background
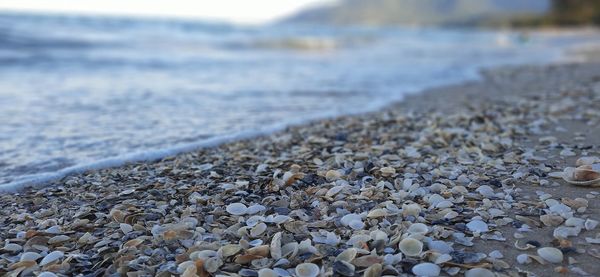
86	81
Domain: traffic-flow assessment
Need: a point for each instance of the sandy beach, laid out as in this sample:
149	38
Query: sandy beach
458	180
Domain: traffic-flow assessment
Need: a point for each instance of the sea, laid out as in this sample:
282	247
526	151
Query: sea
87	92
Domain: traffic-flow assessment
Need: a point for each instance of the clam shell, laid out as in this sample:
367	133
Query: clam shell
267	272
29	256
212	264
373	271
581	177
344	268
479	272
418	228
347	255
307	270
52	257
551	254
258	230
426	269
47	274
236	209
276	252
411	247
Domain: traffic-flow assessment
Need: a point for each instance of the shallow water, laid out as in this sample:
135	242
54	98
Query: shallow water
76	90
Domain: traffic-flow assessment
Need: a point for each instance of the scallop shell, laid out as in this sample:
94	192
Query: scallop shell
236	209
411	247
307	270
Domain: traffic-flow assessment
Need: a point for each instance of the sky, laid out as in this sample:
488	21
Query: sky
235	11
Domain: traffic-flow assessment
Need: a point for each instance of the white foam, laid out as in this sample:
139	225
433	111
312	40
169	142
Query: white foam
45	179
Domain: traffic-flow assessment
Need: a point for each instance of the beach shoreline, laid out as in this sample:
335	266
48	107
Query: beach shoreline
505	133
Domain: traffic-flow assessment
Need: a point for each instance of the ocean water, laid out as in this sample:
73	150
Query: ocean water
88	92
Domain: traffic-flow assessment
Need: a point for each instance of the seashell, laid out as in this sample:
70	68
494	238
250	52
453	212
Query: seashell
267	272
261	263
12	247
246	258
373	271
229	250
58	239
236	209
182	267
52	257
261	251
190	271
376	213
258	230
29	256
418	228
426	269
590	224
551	220
347	255
307	270
582	176
551	254
478	226
212	264
387	171
574	222
587	161
276	252
411	209
523	259
332	175
443	259
411	247
353	221
367	261
125	228
256	208
47	274
133	243
202	254
479	272
289	250
344	268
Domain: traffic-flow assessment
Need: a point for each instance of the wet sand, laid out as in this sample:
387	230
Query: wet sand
483	151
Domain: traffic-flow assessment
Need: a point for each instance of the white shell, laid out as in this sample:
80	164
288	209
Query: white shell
258	230
523	259
12	247
256	208
411	247
479	272
478	226
47	274
551	254
418	228
347	219
267	272
426	269
52	257
30	256
236	209
307	270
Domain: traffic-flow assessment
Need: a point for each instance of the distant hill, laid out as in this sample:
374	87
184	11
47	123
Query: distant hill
421	12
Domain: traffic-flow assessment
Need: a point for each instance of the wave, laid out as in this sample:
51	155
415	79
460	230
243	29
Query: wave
46	179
